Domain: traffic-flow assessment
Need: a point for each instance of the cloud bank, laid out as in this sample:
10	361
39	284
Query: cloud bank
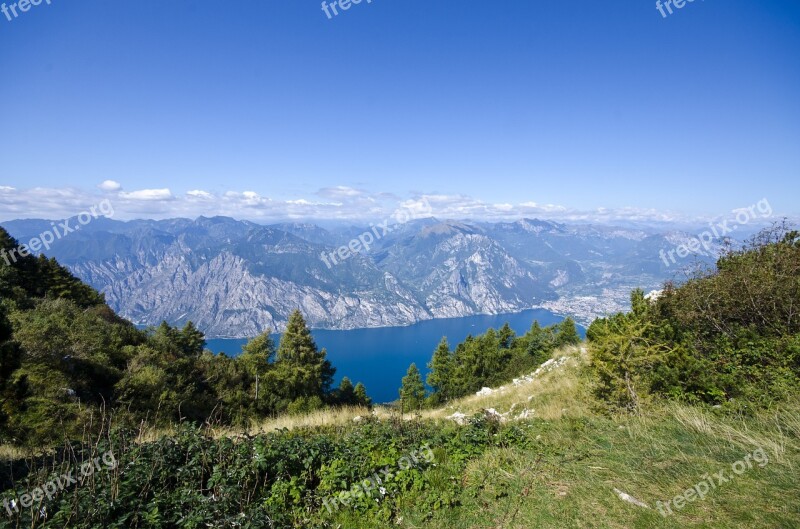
340	203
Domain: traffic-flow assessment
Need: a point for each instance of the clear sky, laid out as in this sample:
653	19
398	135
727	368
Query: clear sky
266	108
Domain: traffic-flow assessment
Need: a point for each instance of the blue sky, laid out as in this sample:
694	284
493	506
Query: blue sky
265	109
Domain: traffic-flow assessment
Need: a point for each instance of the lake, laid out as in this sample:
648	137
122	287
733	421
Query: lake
380	357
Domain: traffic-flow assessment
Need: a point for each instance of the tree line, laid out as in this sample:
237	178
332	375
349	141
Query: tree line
487	360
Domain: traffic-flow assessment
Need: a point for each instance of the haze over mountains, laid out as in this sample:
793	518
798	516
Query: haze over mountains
236	278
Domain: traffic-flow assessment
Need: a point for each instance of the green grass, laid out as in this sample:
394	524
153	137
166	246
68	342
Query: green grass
568	480
558	469
579	456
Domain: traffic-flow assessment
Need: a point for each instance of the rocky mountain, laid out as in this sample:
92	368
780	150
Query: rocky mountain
237	278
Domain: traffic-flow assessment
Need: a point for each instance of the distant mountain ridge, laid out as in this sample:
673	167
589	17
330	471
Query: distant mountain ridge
236	278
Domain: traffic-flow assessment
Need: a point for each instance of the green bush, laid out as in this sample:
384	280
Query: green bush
728	336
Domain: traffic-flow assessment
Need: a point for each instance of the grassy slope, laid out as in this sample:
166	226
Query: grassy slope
581	456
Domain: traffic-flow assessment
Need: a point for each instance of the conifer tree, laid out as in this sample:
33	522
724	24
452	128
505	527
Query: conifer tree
567	334
191	340
260	349
440	377
257	356
506	336
346	393
412	391
302	370
362	399
540	342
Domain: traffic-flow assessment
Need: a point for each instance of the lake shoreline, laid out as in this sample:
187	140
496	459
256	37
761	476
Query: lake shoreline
380	356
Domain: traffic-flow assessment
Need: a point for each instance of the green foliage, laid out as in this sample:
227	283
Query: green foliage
305	404
566	333
727	336
347	395
541	342
301	369
362	399
10	361
23	278
493	358
65	356
282	479
506	336
412	391
440	377
259	353
623	356
249	373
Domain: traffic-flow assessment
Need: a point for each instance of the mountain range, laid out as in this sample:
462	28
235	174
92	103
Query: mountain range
236	278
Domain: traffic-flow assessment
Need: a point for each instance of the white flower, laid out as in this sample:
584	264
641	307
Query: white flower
382	491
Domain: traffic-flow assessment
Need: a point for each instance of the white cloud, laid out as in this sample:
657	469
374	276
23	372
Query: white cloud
202	195
110	185
148	194
249	199
348	205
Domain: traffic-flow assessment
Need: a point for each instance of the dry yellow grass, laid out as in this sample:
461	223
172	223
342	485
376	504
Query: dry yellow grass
772	435
329	417
560	392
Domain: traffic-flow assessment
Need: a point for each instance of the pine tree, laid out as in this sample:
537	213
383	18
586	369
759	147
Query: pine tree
461	379
346	394
301	369
261	349
256	358
191	340
167	339
297	345
567	334
412	391
481	360
540	342
639	304
440	377
40	277
507	336
362	399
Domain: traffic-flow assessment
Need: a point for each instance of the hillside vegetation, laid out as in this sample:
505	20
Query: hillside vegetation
728	336
68	363
682	413
559	467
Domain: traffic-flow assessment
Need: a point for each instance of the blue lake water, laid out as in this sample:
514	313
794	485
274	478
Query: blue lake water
380	357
